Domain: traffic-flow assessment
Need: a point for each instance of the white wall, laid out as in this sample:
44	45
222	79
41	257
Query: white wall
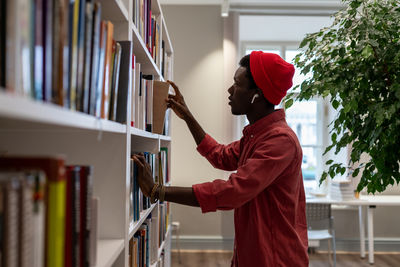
279	28
197	36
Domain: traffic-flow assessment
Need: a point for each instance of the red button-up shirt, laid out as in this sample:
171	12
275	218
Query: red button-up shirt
266	192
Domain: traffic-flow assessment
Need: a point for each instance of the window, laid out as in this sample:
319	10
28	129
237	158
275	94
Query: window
305	118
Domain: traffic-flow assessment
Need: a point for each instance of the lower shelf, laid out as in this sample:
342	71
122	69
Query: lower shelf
107	251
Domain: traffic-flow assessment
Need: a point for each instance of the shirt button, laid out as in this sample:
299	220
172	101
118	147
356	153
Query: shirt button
251	136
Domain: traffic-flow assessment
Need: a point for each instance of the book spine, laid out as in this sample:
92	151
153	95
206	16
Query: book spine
86	193
107	65
3	34
87	57
115	79
39	218
81	55
26	221
74	53
47	49
133	92
94	231
10	250
111	114
95	55
124	81
100	80
55	223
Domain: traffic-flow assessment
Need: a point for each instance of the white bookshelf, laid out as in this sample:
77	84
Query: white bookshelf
108	251
34	128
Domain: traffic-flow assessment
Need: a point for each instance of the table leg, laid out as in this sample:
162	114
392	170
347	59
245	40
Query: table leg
362	231
371	234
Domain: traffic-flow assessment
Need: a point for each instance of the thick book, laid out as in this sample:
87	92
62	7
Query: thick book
55	201
124	81
18	74
105	102
116	64
60	40
160	94
95	57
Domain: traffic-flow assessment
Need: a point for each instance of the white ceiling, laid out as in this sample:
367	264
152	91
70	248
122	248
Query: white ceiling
271	7
330	3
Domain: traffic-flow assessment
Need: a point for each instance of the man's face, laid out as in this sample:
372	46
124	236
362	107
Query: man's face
239	93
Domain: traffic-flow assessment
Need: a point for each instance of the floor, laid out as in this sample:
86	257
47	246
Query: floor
223	259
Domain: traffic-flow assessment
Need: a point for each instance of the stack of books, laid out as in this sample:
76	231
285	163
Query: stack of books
342	190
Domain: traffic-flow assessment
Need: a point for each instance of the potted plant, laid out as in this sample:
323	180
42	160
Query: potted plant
355	63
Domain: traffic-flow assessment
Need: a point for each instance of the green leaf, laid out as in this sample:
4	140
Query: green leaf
356	172
288	103
329	162
335	104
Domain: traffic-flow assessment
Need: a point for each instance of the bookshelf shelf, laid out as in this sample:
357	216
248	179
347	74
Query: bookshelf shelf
108	251
18	112
134	226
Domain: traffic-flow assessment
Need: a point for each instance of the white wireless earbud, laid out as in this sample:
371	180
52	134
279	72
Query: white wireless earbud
254	97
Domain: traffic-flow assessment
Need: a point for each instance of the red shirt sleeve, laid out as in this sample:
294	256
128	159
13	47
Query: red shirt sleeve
224	157
261	169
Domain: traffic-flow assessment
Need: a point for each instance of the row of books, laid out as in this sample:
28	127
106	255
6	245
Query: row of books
143	248
48	215
159	167
148	110
62	52
148	24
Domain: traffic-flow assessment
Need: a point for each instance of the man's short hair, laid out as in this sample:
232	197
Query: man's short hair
245	63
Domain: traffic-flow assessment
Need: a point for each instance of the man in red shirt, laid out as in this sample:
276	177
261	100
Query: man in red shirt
266	191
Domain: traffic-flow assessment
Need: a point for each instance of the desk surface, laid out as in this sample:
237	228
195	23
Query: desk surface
370	200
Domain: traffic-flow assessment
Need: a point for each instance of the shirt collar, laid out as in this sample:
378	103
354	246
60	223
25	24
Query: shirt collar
264	122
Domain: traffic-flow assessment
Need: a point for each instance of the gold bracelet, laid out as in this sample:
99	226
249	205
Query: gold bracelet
153	194
162	193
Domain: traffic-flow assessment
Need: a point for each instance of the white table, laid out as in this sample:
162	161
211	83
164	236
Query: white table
365	201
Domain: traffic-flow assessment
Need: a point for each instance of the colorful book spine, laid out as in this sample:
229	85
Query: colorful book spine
95	57
105	102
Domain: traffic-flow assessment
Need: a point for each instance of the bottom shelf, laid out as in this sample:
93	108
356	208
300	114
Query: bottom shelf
107	251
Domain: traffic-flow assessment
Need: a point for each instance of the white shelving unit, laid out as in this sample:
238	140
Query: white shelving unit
34	128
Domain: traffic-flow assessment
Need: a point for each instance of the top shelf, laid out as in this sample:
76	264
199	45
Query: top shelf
20	112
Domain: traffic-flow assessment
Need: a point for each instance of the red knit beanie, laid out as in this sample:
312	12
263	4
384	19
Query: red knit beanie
272	75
